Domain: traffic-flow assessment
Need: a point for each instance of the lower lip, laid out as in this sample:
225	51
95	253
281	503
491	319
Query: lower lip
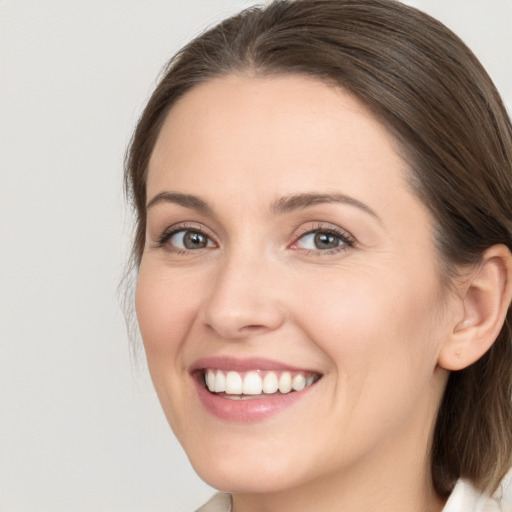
249	410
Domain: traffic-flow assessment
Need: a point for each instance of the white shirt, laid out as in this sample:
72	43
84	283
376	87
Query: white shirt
464	498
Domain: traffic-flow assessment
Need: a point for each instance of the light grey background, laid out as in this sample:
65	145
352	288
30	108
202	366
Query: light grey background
79	430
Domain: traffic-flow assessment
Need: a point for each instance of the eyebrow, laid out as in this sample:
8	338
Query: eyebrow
283	205
185	200
301	201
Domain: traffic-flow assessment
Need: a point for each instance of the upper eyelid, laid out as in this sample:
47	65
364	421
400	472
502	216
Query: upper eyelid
186	226
328	228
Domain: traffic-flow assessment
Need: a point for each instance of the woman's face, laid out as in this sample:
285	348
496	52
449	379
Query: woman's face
284	247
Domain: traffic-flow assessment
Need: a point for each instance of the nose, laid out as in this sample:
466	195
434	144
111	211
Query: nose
244	300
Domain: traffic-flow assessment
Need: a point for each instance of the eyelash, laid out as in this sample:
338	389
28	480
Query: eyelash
169	233
347	241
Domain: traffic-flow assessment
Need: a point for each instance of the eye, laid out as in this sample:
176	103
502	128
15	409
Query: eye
186	240
324	240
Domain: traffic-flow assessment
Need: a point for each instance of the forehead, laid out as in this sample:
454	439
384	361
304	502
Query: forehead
271	133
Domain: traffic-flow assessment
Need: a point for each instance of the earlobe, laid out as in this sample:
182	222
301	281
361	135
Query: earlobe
486	296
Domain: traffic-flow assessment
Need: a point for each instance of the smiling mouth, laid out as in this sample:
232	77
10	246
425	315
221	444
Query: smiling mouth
257	383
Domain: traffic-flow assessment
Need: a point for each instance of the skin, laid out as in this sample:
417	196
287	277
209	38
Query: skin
371	316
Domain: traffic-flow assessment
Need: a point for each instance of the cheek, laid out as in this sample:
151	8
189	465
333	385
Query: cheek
370	325
165	310
379	338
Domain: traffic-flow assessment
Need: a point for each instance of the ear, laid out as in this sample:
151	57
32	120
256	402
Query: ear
486	296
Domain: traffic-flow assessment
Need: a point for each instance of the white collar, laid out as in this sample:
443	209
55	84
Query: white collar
465	498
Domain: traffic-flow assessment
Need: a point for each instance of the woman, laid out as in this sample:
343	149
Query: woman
323	238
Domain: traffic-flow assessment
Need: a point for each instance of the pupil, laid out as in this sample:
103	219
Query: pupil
193	240
326	241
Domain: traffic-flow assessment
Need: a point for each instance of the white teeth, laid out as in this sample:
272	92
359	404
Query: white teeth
285	382
233	383
252	384
220	382
298	382
210	380
270	383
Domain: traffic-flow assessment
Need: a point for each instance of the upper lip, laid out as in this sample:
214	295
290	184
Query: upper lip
244	365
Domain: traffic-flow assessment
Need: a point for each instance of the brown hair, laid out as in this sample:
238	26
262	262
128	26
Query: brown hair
428	88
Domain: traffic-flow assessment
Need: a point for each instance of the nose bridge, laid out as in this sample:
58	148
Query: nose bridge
243	299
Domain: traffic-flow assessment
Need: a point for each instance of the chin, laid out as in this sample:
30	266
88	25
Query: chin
255	470
231	477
